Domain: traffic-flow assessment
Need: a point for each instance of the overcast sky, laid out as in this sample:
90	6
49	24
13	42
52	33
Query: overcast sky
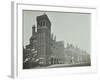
71	28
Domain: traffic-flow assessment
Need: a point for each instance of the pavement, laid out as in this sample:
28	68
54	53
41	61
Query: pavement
63	65
69	65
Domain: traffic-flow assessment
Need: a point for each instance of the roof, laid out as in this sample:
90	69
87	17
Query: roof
43	17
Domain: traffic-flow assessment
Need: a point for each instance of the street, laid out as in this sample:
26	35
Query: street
69	65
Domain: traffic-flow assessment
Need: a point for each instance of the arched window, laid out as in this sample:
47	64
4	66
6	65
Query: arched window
43	23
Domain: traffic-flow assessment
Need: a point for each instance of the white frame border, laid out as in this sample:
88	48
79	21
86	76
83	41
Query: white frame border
16	70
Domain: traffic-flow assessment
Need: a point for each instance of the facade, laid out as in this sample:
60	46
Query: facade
57	48
43	39
33	40
74	55
49	51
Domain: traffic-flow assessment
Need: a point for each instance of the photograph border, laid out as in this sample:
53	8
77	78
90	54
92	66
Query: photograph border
16	38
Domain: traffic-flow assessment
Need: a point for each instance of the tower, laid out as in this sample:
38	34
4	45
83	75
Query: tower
33	39
43	38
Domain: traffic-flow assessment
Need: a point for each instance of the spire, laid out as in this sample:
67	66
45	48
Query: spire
55	38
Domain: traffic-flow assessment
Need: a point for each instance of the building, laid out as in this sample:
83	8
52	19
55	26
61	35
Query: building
43	39
49	51
57	48
57	56
74	55
33	40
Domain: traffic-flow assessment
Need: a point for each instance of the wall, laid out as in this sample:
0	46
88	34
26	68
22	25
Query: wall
5	39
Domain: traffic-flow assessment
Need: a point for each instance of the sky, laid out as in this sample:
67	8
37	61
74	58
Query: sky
73	28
